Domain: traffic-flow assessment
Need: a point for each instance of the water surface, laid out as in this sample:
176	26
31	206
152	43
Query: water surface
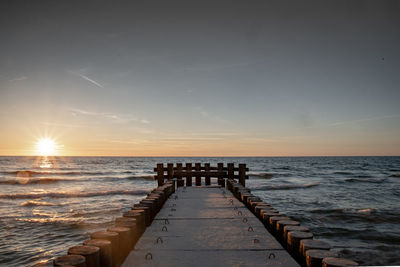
50	204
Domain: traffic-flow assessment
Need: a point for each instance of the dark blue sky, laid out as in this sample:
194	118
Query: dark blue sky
201	78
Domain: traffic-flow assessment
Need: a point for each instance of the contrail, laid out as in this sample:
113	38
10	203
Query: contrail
87	79
90	80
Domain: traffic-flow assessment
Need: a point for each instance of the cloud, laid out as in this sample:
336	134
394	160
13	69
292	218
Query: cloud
62	125
339	123
87	79
120	118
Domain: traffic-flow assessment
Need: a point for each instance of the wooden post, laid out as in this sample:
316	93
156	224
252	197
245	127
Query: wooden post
315	256
179	174
132	227
126	241
293	241
230	171
242	174
188	174
91	254
333	262
160	173
291	228
147	212
221	180
105	250
70	260
110	236
280	225
139	216
197	167
207	175
170	167
307	244
231	175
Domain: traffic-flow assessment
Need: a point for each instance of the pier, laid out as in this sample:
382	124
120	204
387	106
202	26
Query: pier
207	226
216	221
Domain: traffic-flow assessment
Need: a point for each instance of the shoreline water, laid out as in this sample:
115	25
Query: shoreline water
350	202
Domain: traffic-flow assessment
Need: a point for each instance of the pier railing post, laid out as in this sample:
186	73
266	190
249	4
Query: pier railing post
207	175
188	174
170	167
160	174
179	168
197	167
242	174
221	181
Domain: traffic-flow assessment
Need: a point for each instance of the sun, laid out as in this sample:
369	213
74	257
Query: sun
46	147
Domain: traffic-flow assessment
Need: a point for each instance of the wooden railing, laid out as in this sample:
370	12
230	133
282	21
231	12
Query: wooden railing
199	171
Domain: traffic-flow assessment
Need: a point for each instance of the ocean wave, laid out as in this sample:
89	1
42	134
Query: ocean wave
282	168
73	194
343	173
365	180
144	177
346	213
29	173
32	203
262	174
46	180
24	181
286	186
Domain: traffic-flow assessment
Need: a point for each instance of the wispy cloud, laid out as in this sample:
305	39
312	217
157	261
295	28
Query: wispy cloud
66	125
120	118
87	79
342	123
339	123
18	79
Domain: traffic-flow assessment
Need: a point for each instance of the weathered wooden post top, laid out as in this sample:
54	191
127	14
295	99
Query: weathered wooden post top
199	171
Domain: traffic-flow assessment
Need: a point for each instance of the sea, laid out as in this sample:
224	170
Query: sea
48	204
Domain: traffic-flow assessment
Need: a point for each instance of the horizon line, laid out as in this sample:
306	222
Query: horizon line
122	156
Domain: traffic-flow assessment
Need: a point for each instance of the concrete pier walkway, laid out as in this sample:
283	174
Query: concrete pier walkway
207	226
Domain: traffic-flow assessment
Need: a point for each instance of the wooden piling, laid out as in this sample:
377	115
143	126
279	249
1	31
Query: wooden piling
242	174
231	172
147	211
139	216
221	181
105	254
307	244
293	241
132	227
272	222
207	175
152	205
188	174
280	227
125	241
266	215
337	262
170	171
160	174
197	167
291	228
314	257
70	260
113	238
91	254
259	207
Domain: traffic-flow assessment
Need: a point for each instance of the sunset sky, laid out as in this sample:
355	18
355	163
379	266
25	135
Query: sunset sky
197	78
